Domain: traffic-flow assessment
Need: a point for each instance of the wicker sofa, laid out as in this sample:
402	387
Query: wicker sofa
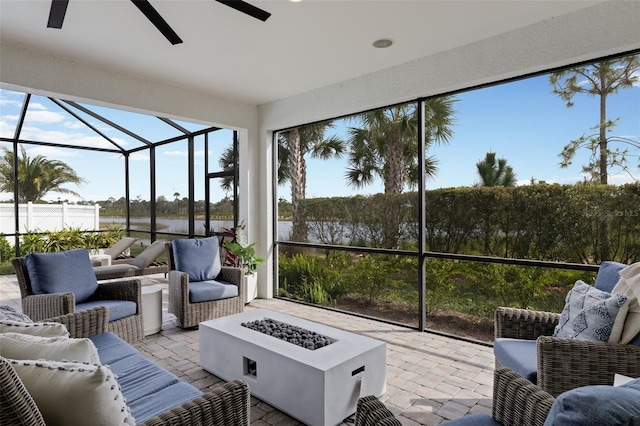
228	404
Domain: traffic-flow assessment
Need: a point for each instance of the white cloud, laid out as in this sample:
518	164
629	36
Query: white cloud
7	130
198	153
51	152
10	102
43	116
138	156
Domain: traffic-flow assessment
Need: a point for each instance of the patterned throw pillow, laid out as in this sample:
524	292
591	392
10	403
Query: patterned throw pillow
11	314
590	314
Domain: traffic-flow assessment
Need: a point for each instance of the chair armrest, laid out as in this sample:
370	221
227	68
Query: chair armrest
565	364
41	306
120	290
227	404
85	323
523	323
235	276
517	401
371	412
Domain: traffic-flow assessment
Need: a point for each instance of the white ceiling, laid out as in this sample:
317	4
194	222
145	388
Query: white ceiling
302	47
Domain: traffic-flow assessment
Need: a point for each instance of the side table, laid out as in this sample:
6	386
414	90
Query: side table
152	309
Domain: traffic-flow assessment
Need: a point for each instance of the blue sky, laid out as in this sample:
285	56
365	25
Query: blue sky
523	122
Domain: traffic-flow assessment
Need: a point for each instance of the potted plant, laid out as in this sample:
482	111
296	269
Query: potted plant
242	254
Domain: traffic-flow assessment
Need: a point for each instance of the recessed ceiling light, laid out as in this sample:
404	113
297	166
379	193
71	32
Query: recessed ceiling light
295	1
382	43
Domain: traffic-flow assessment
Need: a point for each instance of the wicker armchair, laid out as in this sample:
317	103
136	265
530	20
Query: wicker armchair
516	402
42	306
565	364
191	314
227	404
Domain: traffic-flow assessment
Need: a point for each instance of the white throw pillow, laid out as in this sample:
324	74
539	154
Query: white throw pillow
25	346
45	329
629	284
74	394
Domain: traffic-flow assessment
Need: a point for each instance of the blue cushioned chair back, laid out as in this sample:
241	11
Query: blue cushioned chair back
198	257
608	275
63	272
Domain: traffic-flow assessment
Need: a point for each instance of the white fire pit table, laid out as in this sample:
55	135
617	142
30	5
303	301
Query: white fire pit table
317	387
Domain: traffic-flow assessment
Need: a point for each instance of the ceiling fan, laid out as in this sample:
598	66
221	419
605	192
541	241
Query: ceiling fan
59	9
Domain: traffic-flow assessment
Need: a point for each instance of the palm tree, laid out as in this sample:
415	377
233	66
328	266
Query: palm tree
37	176
599	79
293	146
494	173
386	144
227	163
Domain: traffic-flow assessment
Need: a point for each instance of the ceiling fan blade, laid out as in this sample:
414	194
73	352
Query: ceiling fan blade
247	8
57	12
156	19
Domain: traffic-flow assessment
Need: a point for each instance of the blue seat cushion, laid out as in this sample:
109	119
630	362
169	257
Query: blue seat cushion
198	257
597	405
118	309
211	290
608	275
520	355
63	272
111	347
148	388
476	419
165	399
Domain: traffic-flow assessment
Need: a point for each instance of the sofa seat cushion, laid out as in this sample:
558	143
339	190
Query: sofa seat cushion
111	347
148	388
118	309
63	272
138	376
211	290
520	355
172	396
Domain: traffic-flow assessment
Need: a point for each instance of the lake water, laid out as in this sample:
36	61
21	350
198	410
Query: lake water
181	226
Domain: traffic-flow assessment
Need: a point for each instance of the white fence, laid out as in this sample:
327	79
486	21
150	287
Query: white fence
49	217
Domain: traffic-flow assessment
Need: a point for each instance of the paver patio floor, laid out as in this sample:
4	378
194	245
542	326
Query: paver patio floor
430	378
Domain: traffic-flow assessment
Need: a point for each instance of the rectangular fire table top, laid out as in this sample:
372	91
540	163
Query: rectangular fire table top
320	387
